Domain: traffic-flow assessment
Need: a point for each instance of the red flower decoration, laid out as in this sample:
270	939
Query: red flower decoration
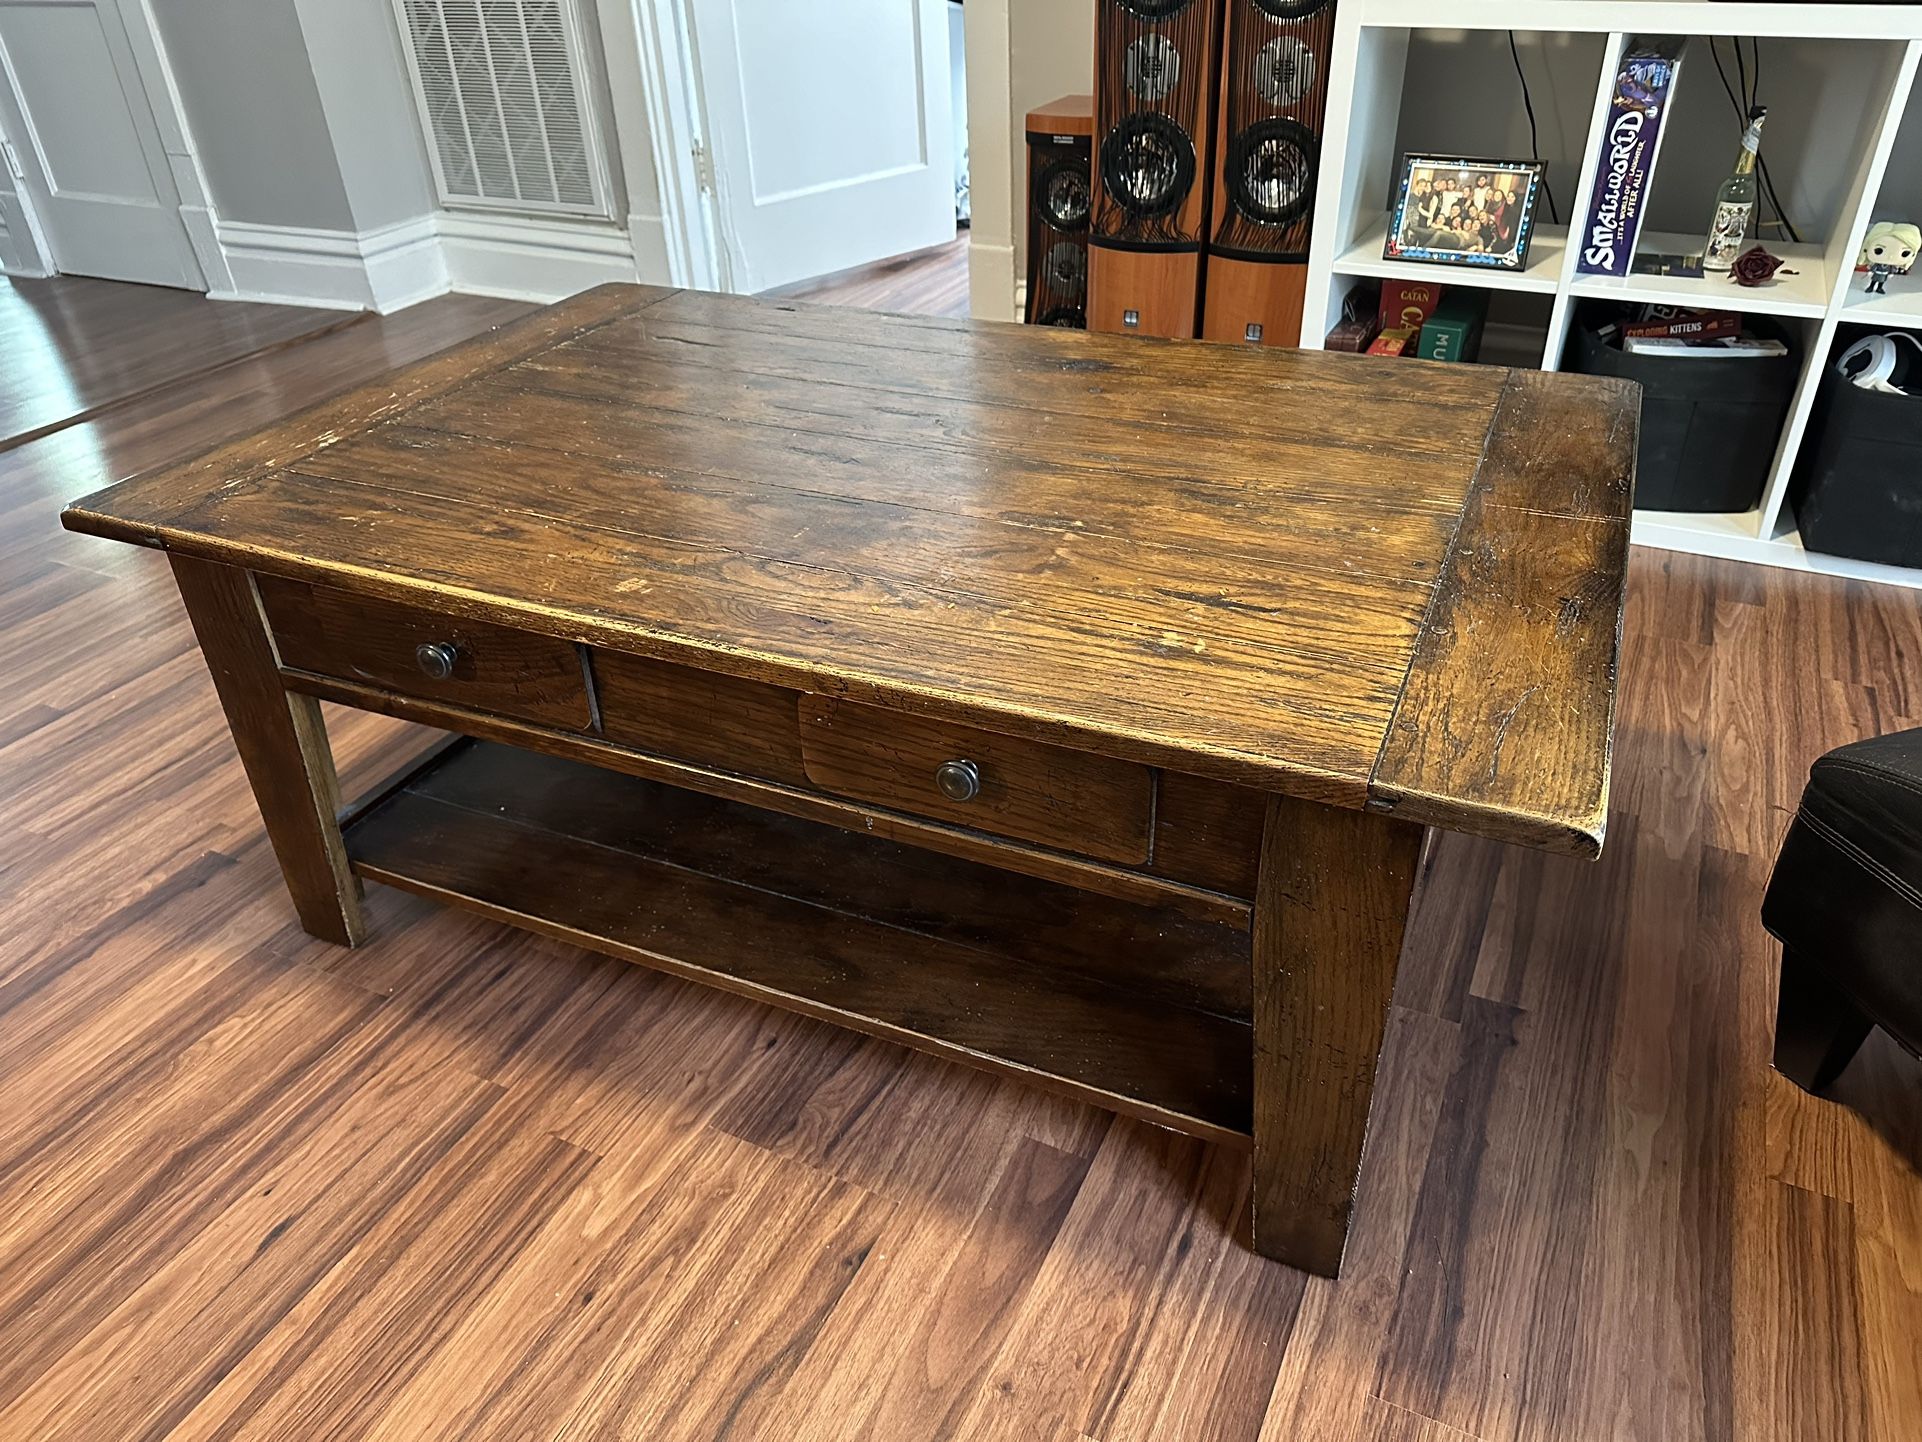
1755	266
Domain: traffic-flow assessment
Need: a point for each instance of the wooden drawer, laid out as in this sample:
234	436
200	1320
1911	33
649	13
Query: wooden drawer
1208	833
377	643
746	727
1067	799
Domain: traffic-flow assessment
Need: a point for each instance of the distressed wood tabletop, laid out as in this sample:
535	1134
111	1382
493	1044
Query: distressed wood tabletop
1394	585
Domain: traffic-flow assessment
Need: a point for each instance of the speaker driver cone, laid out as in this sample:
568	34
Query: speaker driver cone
1284	71
1069	317
1291	9
1151	66
1061	194
1161	9
1147	163
1067	265
1271	171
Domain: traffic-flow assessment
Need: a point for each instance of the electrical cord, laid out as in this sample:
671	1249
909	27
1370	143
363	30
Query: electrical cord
1742	104
1534	143
1755	89
1739	104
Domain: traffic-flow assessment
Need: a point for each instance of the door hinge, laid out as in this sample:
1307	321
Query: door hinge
13	160
703	168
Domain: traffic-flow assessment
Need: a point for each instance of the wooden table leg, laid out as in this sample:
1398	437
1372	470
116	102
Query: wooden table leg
283	745
1329	911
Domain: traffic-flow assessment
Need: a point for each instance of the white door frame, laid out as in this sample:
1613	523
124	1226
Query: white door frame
23	247
183	160
994	289
649	46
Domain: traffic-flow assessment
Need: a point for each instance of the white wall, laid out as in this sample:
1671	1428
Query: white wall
1020	55
1051	54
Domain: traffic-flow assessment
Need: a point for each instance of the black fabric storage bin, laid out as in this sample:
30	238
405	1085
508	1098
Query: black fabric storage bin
1857	489
1709	427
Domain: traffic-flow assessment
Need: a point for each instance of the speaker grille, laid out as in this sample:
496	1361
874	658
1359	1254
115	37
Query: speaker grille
1153	61
498	84
1059	195
1148	164
1061	192
1274	99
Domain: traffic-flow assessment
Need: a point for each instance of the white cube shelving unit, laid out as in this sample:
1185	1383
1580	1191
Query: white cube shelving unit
1843	103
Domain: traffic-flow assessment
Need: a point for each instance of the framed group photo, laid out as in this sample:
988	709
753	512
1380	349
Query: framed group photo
1452	211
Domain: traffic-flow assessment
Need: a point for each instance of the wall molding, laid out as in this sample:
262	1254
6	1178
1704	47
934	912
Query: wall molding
384	270
520	258
381	270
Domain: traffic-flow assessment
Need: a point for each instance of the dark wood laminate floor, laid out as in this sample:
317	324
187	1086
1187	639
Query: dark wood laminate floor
925	282
467	1183
71	347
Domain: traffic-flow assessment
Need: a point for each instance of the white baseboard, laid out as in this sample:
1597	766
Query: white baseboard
406	265
992	281
381	270
385	270
539	260
203	234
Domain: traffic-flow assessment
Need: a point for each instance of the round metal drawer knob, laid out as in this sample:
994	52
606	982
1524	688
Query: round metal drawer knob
958	780
436	658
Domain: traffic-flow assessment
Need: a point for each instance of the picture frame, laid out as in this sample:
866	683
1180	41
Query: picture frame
1484	217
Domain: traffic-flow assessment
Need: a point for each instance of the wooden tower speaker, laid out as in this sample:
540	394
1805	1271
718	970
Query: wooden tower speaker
1154	86
1060	180
1274	96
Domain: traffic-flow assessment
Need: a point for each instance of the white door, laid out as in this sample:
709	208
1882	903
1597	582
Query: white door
84	146
828	123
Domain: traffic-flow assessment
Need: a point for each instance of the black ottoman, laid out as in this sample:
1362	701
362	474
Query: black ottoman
1846	903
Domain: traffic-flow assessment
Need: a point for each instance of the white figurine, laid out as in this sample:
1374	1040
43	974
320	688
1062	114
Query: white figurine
1888	249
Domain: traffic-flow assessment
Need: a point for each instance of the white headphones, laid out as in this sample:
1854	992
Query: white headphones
1877	357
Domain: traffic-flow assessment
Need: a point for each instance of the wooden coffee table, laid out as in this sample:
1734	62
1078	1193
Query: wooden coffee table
1068	705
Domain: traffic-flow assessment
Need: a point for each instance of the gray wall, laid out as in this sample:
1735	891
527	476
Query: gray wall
255	112
353	51
1563	70
1824	103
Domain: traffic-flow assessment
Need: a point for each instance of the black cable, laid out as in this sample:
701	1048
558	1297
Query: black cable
1768	181
1534	143
1741	107
1734	103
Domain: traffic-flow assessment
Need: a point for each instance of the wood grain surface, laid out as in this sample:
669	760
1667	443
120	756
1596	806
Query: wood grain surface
466	1182
282	743
1070	800
517	673
1197	898
1512	689
1330	909
700	716
594	859
985	524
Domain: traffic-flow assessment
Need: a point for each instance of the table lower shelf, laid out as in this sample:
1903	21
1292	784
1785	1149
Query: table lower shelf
1135	1008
